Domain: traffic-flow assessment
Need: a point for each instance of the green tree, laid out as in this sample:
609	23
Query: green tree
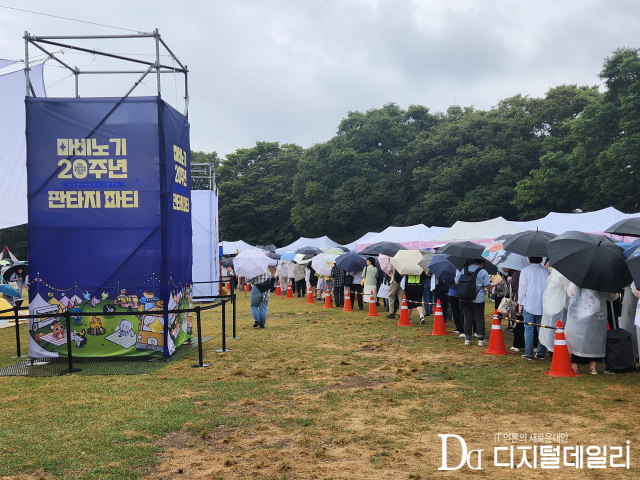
255	193
360	180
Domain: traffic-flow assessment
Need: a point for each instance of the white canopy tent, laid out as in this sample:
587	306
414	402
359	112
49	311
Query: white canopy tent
413	237
233	248
320	242
13	143
588	222
363	239
479	232
206	261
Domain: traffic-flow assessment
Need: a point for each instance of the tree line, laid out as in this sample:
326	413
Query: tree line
575	148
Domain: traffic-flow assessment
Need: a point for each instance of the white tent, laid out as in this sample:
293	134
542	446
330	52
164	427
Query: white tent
480	232
588	222
363	239
320	242
413	237
204	224
13	144
233	248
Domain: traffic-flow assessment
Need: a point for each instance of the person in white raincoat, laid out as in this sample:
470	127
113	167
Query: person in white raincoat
555	302
586	328
628	315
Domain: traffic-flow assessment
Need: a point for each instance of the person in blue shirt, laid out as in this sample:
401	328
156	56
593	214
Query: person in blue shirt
473	311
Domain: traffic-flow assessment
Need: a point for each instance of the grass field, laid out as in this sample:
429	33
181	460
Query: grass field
317	394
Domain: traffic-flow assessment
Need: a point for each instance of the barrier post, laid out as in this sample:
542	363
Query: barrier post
67	317
224	328
200	361
15	317
233	317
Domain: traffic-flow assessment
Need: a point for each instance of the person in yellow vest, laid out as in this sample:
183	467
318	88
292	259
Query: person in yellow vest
414	288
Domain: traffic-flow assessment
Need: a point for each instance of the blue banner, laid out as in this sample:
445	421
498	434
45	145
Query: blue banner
99	231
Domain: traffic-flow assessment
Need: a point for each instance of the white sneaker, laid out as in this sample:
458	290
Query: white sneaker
482	343
514	349
475	335
467	343
462	335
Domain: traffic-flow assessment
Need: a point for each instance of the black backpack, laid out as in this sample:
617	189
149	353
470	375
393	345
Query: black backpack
467	288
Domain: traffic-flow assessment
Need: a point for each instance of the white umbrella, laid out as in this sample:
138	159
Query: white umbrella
406	262
251	263
513	261
323	263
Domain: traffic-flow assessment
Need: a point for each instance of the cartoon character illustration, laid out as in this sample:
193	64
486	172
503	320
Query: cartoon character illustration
127	301
104	295
77	319
58	331
79	337
109	308
125	327
86	296
95	326
94	301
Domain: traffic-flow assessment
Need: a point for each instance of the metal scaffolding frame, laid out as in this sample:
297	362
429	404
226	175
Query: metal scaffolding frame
38	41
206	172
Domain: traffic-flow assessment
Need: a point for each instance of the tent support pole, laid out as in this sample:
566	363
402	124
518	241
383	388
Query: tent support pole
26	62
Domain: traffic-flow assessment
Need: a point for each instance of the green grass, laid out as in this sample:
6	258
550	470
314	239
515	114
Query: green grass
318	393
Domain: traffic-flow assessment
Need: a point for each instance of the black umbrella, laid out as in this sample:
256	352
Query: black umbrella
630	226
344	249
351	262
385	248
463	249
633	262
529	243
442	268
227	263
309	250
460	263
14	268
590	261
272	255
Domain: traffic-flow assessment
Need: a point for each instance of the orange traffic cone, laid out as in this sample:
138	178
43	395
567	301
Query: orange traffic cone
404	314
327	299
310	295
561	362
438	322
228	286
278	290
289	291
373	309
347	302
496	340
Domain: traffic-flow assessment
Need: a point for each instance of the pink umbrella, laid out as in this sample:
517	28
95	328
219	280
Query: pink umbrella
384	263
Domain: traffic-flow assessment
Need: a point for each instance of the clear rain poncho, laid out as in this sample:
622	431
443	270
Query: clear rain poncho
627	317
555	302
586	327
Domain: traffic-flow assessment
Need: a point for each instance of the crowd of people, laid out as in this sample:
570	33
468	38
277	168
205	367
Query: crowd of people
529	300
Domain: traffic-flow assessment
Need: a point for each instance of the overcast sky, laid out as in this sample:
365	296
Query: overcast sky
289	71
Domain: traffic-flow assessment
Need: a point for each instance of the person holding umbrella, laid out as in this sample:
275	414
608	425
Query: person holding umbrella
530	290
18	277
473	278
370	277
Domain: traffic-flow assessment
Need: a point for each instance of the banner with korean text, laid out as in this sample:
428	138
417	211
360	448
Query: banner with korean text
109	225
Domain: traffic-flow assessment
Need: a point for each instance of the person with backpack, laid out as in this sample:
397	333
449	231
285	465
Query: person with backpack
472	282
414	288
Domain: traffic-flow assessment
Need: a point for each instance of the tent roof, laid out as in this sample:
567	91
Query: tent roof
363	239
320	242
470	231
232	248
588	222
413	237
